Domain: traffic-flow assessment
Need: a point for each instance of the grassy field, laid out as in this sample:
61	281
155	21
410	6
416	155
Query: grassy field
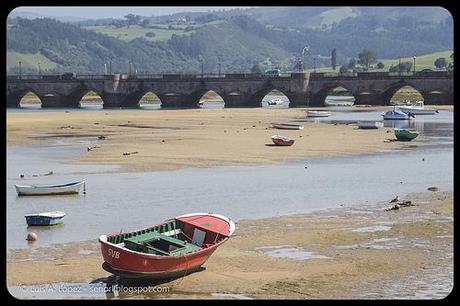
29	61
421	62
128	34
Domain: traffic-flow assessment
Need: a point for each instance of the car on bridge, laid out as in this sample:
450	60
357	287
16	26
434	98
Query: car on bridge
68	75
272	73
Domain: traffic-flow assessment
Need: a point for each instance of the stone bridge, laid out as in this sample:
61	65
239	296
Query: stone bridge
237	90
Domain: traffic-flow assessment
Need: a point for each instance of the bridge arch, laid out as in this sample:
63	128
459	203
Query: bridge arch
76	97
148	99
28	98
197	98
319	98
260	97
401	91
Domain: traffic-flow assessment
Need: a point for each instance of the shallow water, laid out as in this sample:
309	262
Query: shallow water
289	252
112	200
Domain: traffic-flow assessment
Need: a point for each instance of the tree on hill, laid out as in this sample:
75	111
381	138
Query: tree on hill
440	63
380	65
256	68
132	19
351	64
334	58
366	58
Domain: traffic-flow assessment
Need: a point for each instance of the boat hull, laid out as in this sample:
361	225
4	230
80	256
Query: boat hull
318	114
129	263
370	125
287	126
282	142
43	221
37	190
405	135
416	111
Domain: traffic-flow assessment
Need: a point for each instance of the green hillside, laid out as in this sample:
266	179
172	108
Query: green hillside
29	61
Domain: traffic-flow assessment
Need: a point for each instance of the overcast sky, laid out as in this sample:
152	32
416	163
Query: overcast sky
95	12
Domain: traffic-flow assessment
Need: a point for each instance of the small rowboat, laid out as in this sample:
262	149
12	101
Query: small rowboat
287	126
171	249
405	134
367	125
313	113
46	218
70	188
282	140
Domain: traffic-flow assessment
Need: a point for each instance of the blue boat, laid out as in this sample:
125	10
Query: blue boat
46	218
397	114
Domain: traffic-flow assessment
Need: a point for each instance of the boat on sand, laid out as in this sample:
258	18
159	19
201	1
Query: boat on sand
313	113
282	140
286	126
405	134
173	248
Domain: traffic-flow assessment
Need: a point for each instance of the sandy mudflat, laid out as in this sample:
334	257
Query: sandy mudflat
364	248
171	139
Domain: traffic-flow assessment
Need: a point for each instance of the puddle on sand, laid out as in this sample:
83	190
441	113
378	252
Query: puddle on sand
85	252
378	244
371	229
289	252
231	296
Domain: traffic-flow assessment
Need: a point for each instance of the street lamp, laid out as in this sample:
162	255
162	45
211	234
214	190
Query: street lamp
20	69
314	64
399	66
129	62
39	69
414	63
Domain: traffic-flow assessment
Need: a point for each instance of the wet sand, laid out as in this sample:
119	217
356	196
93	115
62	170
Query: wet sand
365	248
172	139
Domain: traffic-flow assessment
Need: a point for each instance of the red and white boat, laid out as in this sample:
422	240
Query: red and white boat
282	140
171	249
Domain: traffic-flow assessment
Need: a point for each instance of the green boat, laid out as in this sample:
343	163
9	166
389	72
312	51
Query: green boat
405	135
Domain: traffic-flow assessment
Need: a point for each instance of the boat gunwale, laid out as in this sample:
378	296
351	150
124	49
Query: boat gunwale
62	186
103	239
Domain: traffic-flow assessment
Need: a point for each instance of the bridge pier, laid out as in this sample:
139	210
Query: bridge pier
176	101
240	100
113	100
438	98
56	101
297	99
370	99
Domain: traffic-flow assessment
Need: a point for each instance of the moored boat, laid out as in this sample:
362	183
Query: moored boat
70	188
46	218
276	101
405	134
282	140
396	114
173	248
418	109
367	125
287	126
313	113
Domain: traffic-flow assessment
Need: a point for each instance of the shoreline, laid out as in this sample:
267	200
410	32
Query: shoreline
364	247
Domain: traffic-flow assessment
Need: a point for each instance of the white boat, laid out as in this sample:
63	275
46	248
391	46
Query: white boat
70	188
287	126
367	125
396	114
313	113
276	101
418	109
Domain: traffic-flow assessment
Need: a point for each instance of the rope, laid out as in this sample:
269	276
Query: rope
84	187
